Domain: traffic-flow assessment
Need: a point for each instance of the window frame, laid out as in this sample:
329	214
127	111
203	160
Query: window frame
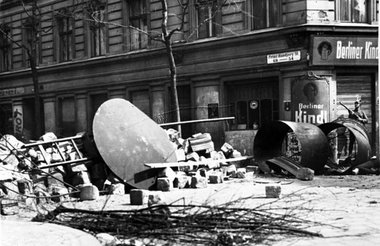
26	33
216	27
5	48
65	39
350	19
97	43
266	20
142	17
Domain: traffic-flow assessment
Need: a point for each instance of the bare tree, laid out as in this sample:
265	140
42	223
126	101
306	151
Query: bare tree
32	27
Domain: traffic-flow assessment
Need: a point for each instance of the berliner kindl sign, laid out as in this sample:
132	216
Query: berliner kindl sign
345	51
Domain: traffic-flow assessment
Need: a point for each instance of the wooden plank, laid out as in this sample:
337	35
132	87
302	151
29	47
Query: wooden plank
196	121
196	163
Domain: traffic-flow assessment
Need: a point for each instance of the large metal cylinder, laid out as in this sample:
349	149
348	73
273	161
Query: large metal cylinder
361	134
269	141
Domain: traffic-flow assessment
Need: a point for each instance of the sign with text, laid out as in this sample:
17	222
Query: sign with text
284	57
310	101
358	51
11	92
18	120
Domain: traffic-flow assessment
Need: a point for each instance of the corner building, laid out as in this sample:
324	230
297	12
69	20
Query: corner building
256	60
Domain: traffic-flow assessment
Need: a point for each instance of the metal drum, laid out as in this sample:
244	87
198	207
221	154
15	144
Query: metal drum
269	143
361	134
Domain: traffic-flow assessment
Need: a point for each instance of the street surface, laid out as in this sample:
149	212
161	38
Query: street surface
345	209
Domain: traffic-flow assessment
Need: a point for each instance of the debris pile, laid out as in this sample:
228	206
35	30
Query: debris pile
49	169
52	169
199	163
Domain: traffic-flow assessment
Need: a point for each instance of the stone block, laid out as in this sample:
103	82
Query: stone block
240	173
9	207
273	191
216	177
182	181
230	170
138	196
254	169
305	173
89	192
164	184
198	182
116	189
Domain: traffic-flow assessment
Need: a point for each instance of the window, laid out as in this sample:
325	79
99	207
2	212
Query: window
206	11
97	36
138	24
265	13
5	48
352	11
65	37
31	40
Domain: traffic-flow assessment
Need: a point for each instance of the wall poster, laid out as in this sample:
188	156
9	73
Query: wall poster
310	100
18	120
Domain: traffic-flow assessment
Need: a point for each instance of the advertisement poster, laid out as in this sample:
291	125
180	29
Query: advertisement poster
18	120
310	101
360	51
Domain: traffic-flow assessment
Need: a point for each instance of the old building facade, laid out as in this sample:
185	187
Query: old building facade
259	61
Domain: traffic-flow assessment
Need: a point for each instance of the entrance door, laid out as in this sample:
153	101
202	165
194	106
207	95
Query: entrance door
253	103
6	119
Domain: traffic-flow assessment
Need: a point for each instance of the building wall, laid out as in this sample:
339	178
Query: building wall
238	55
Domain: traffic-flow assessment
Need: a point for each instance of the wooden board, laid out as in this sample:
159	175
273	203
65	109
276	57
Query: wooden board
196	163
127	138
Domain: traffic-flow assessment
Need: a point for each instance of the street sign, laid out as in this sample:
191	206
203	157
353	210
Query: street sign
284	57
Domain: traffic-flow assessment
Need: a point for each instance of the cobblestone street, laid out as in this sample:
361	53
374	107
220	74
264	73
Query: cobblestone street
344	209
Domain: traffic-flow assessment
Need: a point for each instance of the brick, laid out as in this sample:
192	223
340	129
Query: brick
164	184
198	182
138	196
273	191
305	173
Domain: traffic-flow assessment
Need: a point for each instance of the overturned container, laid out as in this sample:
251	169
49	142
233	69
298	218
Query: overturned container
304	143
362	145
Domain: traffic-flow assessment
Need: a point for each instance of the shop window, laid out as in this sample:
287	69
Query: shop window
66	116
137	12
251	114
98	29
65	40
265	13
355	11
5	48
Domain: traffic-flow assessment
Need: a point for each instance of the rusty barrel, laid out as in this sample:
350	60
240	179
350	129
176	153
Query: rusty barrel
269	143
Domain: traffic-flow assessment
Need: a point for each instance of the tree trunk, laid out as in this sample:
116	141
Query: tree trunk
37	98
172	66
